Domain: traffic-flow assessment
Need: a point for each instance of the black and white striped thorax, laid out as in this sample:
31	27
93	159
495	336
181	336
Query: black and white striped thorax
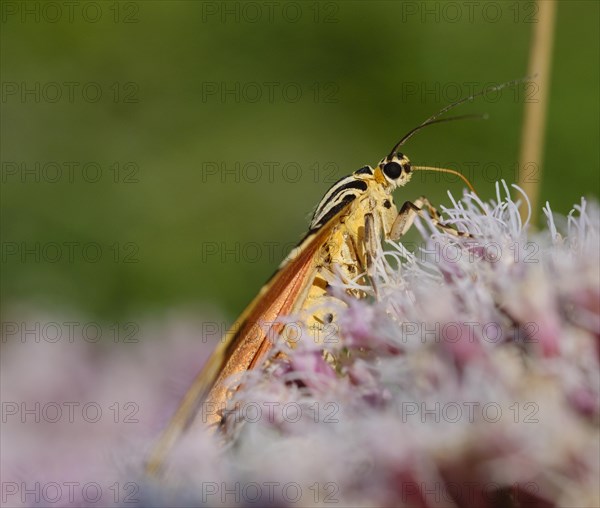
339	195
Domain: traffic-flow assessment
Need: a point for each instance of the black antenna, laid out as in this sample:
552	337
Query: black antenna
432	119
432	122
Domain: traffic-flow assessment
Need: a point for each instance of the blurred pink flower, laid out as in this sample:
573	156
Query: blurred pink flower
469	378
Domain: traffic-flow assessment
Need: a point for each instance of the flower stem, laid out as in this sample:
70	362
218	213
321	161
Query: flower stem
532	140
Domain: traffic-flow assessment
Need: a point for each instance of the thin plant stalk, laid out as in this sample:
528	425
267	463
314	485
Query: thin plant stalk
532	140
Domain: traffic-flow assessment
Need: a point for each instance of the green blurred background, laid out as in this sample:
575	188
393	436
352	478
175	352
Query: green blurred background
176	222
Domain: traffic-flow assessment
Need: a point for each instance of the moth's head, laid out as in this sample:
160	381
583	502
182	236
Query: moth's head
394	170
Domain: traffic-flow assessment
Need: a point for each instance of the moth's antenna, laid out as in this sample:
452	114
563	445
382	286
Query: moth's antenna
432	119
432	122
446	170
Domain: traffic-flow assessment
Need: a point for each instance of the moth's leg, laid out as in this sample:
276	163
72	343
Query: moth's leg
409	212
371	240
357	254
367	250
371	244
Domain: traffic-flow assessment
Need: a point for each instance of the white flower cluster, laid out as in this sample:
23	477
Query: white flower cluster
469	378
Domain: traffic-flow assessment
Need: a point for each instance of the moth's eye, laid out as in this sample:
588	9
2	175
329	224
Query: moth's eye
392	170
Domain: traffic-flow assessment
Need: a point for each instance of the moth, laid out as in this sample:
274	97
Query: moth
349	223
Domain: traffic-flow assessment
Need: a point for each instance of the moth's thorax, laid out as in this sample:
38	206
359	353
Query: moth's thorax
392	172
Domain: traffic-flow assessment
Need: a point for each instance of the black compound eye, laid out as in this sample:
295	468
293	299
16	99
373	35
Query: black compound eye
392	170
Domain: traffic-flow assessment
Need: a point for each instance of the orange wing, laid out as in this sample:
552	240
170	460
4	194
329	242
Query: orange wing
248	344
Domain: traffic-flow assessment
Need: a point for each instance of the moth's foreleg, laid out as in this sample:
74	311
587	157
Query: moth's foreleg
409	212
